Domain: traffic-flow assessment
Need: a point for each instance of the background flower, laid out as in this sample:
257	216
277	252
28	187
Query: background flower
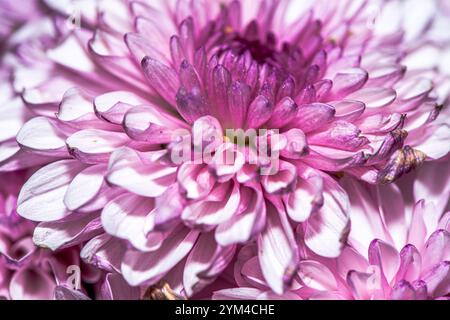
29	272
399	248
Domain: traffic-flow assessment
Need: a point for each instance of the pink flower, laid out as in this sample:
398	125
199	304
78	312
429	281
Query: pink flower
397	249
333	93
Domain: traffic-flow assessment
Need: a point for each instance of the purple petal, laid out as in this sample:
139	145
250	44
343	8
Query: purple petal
162	78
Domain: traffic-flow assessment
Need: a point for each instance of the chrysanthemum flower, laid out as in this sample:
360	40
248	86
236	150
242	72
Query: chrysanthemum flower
330	92
396	251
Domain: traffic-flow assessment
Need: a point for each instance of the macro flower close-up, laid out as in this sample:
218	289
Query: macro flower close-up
233	149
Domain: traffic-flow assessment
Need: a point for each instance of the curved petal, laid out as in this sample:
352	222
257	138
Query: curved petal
205	262
104	252
436	249
306	199
196	180
168	207
313	116
44	136
237	294
125	216
66	232
31	284
348	81
93	146
438	280
384	257
362	285
75	106
140	172
317	276
282	180
219	206
147	124
278	253
41	197
410	264
328	229
374	98
403	290
138	268
351	259
115	288
247	223
162	79
84	187
112	106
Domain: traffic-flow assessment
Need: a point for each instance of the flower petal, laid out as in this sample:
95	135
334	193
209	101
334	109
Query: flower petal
205	262
85	186
283	180
317	276
327	230
41	197
93	146
237	294
44	136
64	293
196	180
403	290
112	106
138	268
125	216
278	254
374	98
73	229
313	116
31	284
140	172
436	249
305	199
244	225
348	81
220	205
410	264
104	252
438	280
115	288
162	78
385	257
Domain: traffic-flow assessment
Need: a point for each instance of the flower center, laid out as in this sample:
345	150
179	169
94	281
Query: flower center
261	51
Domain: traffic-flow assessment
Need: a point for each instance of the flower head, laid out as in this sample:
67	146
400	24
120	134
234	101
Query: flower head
142	131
